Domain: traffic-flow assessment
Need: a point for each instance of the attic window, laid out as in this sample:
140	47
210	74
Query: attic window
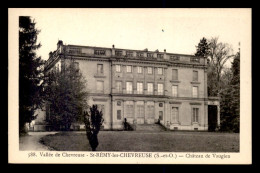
100	52
119	53
194	59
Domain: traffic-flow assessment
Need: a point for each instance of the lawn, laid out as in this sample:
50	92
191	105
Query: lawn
146	141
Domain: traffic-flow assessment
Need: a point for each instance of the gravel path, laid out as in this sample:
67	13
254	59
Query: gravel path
31	141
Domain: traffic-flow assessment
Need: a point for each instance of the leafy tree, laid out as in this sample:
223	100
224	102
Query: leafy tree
93	122
219	54
230	99
202	48
30	72
65	93
223	81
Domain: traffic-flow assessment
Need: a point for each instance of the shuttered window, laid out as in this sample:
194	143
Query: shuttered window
174	74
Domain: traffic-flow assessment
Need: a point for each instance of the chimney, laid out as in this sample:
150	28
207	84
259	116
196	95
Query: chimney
60	43
164	55
113	50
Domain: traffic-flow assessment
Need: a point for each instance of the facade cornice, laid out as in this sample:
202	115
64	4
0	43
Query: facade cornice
165	63
195	103
171	102
100	99
129	50
51	63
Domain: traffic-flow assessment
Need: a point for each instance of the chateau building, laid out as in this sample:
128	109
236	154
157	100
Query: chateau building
142	86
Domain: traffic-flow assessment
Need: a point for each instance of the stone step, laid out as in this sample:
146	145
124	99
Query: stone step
149	127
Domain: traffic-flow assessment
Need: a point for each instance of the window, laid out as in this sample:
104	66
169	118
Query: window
118	103
174	91
74	50
160	104
129	69
118	114
100	68
160	70
118	68
101	108
160	56
129	109
150	109
195	115
150	55
195	59
195	91
139	70
129	54
100	86
119	53
175	115
119	87
160	115
140	109
174	74
140	54
99	52
76	65
58	67
174	58
195	76
150	88
139	88
149	70
160	89
129	87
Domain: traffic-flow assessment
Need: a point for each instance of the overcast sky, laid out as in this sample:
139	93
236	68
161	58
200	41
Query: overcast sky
176	30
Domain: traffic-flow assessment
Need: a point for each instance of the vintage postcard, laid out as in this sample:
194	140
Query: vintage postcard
129	86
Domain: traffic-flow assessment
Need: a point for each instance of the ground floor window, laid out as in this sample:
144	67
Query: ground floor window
101	108
118	114
195	115
160	115
129	109
150	109
175	115
140	109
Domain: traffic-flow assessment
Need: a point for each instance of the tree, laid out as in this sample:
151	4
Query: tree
202	48
93	122
30	72
219	54
230	99
66	95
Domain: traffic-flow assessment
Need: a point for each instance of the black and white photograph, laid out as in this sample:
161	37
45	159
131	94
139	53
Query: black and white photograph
144	86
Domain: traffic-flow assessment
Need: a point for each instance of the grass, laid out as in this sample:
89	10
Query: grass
146	141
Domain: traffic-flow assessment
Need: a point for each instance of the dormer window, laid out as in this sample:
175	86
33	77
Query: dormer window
100	52
150	55
119	53
74	50
174	58
195	59
160	56
129	54
140	54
